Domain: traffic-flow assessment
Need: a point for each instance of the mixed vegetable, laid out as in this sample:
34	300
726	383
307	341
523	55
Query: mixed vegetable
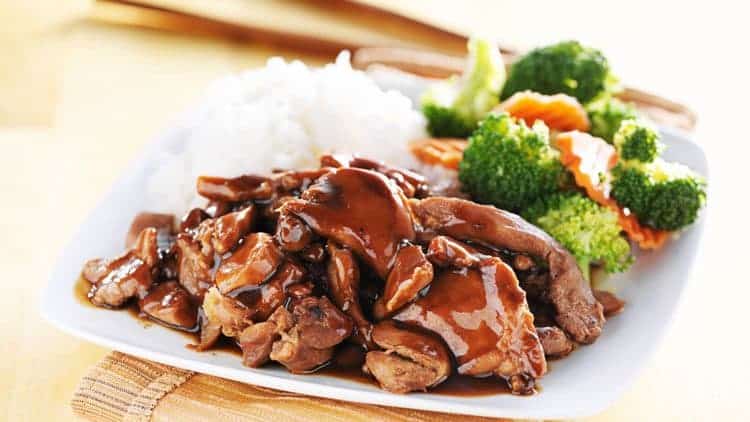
611	187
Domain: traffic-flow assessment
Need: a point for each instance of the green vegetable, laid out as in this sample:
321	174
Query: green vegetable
444	122
606	114
510	165
636	141
566	67
663	195
454	107
589	231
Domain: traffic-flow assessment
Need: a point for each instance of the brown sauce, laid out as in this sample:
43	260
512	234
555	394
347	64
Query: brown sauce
347	364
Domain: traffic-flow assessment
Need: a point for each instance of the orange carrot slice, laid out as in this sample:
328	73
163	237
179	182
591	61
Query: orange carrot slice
441	152
559	112
588	158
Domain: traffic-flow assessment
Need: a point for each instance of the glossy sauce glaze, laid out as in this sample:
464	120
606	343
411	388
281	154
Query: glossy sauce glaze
479	312
359	209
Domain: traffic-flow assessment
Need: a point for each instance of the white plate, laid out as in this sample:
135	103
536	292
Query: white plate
582	384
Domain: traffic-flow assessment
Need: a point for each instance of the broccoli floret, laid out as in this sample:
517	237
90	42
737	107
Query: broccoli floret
637	141
508	164
606	114
589	231
454	107
567	67
444	122
665	196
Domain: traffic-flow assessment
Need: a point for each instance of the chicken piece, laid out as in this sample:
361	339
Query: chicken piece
222	314
216	209
411	273
309	343
194	268
577	311
237	189
297	356
169	304
252	264
413	360
446	252
192	219
220	235
145	220
115	281
411	183
295	181
611	304
263	300
555	342
292	234
321	324
343	286
359	209
482	315
256	340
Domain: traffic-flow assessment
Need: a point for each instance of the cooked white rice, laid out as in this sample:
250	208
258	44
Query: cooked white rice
285	115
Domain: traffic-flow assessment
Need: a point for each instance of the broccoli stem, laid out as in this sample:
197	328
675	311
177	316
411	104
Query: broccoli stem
584	263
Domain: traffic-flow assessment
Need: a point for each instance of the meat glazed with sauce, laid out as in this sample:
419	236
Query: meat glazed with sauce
299	265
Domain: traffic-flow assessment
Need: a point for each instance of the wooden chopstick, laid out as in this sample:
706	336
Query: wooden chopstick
134	13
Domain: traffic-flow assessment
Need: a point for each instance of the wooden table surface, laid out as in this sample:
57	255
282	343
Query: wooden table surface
79	99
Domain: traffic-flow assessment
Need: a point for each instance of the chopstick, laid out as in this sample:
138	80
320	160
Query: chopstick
134	13
300	25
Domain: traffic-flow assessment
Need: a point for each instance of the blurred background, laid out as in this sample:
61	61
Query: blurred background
85	84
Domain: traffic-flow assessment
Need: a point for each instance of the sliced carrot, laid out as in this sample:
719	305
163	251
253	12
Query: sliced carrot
559	112
441	152
588	157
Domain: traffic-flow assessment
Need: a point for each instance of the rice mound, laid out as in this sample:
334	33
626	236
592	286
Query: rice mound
284	116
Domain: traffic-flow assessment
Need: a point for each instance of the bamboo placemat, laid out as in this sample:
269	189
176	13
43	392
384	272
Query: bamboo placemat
125	388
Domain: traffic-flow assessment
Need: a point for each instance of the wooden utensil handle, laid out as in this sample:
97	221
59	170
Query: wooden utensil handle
437	65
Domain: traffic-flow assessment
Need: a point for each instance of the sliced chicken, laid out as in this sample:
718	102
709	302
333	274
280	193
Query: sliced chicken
292	234
577	311
343	286
235	189
321	323
222	314
555	342
252	264
308	344
611	304
297	356
412	360
170	304
194	268
359	209
256	340
483	317
411	183
263	300
411	273
192	219
145	220
220	235
446	252
115	281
